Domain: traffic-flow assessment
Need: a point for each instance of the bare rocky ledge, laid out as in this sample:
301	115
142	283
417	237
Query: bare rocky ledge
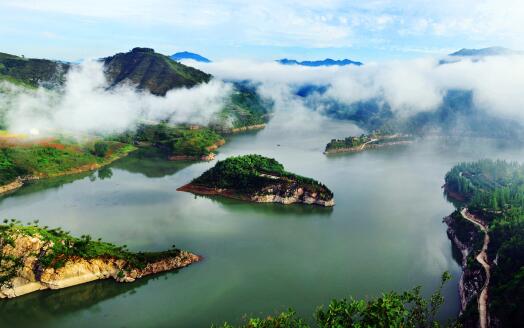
31	277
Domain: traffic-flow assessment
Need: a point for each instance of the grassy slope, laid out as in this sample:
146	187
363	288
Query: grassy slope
31	72
51	159
151	71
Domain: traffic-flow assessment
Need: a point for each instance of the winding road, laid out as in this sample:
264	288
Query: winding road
482	258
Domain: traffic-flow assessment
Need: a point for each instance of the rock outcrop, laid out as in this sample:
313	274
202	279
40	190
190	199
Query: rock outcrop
22	254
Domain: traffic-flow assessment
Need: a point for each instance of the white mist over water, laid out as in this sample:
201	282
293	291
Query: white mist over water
407	86
86	105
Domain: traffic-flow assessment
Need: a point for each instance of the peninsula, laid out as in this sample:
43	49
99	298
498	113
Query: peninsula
369	141
24	159
33	258
488	231
259	179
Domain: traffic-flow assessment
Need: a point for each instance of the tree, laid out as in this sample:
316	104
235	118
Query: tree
101	149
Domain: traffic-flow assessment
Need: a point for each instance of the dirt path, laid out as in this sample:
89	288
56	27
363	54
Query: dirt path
482	258
368	142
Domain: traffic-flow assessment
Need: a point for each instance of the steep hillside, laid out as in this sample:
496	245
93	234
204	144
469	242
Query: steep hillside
32	72
151	71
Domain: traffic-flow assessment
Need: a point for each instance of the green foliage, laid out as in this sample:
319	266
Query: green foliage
48	160
402	310
32	72
251	173
151	71
380	137
101	149
65	247
244	108
174	140
495	191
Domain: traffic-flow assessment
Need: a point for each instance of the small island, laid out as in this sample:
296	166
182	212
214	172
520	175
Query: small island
259	179
34	258
367	141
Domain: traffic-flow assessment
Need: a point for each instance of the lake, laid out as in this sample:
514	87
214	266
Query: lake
385	232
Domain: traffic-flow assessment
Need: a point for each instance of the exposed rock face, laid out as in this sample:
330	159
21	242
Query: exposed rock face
11	186
31	276
471	280
290	195
247	128
273	194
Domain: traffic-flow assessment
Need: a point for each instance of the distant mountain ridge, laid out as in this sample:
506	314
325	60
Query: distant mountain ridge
490	51
317	63
189	55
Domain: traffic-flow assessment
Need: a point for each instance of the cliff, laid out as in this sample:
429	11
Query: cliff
33	259
259	179
466	238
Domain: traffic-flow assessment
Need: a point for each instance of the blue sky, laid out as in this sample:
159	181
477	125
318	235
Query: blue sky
362	30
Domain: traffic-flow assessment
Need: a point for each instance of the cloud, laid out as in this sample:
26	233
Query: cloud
310	24
86	106
407	86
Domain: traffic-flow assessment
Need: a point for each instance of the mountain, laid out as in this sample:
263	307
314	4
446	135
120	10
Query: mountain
152	71
316	63
189	55
491	51
32	72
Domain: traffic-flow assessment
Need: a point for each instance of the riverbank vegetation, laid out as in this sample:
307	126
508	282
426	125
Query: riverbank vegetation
407	309
494	190
180	140
53	157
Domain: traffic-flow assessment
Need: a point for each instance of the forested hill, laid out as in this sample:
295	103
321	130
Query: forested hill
152	71
494	191
32	72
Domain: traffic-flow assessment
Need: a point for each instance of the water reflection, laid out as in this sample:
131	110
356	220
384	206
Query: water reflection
150	163
269	209
68	300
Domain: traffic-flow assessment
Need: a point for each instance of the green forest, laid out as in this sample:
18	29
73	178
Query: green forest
408	310
173	140
53	158
495	190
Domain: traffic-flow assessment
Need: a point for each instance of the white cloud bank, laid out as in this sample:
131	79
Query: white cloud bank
408	86
87	106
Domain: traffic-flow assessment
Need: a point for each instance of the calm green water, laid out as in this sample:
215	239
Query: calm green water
385	233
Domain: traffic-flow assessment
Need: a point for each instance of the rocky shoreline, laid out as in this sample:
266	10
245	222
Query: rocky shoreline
366	147
471	281
272	194
31	277
247	128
